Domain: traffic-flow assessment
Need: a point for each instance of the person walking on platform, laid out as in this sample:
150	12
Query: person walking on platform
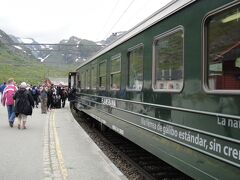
2	87
8	100
50	98
44	99
64	96
35	95
23	105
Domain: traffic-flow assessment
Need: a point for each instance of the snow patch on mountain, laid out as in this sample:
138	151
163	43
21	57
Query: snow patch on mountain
18	47
43	59
26	40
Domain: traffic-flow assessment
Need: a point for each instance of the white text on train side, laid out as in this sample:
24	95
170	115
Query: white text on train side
232	123
109	102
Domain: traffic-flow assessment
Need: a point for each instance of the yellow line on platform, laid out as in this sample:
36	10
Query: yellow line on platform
58	150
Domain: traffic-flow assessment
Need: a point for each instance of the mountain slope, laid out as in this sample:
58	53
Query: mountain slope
26	60
17	63
71	51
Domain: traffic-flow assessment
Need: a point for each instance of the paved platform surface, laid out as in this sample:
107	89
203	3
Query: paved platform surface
52	147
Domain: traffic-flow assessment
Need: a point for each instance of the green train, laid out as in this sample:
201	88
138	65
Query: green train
171	85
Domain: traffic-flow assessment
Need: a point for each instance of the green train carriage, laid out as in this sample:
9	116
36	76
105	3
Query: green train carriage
171	85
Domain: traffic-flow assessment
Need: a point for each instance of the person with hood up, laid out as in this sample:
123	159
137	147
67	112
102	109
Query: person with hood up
24	104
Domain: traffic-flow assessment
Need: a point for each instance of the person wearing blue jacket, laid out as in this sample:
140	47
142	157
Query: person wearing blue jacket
2	87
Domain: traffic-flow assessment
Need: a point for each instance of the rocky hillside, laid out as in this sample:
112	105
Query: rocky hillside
71	51
9	43
27	60
18	62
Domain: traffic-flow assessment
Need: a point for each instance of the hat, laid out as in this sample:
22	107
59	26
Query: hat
23	85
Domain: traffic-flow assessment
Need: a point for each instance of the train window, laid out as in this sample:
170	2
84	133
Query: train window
93	77
102	75
78	81
115	72
222	38
88	79
83	80
168	61
135	68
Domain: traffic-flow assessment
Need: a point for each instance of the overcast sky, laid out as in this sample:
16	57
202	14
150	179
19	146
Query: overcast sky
49	21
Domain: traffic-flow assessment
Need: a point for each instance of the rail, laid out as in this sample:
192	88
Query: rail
169	107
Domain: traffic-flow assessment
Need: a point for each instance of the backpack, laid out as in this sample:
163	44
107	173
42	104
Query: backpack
9	97
8	94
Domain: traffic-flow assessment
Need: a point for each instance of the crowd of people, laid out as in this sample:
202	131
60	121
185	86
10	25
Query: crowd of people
21	99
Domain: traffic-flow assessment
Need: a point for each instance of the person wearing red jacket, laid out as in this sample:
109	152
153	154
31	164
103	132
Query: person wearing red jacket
8	100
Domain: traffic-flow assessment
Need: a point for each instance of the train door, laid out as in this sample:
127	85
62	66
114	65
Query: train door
72	80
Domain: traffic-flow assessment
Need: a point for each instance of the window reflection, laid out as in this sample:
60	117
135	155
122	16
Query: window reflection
94	77
102	75
135	69
82	77
223	50
169	61
88	80
115	73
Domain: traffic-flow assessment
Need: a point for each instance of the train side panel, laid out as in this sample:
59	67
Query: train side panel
194	127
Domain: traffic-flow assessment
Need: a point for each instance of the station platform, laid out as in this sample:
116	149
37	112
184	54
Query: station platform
53	146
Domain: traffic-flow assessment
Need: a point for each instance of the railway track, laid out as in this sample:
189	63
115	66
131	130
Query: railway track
151	166
135	162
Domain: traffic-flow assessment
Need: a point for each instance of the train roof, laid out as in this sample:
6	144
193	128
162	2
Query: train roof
159	15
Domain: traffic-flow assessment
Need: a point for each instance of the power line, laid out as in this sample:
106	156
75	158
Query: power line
120	18
109	16
139	10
